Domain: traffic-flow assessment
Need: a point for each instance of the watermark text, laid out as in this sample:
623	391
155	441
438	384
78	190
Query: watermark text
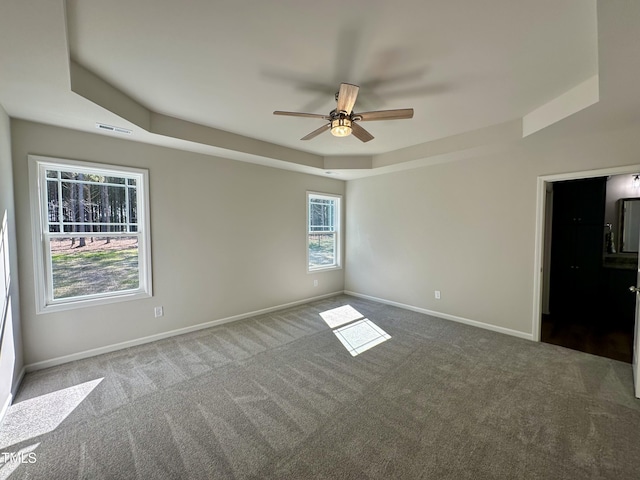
18	457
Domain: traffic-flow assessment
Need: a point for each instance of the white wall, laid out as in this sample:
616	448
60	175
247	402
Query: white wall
11	344
466	228
228	238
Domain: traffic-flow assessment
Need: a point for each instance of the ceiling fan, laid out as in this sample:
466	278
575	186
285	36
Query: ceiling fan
343	120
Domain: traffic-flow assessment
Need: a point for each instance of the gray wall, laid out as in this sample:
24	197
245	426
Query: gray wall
11	363
466	228
228	238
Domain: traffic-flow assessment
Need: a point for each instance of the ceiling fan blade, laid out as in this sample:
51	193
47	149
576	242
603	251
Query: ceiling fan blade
317	132
385	115
299	114
347	97
360	133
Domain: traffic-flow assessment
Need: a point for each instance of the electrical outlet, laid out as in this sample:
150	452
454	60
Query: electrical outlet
315	283
158	312
437	292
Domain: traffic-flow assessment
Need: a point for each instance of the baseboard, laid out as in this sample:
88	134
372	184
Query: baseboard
446	316
12	394
172	333
160	336
16	385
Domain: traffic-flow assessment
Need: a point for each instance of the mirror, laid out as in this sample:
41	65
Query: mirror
629	225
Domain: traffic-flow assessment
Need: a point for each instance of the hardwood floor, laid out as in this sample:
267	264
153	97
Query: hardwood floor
593	336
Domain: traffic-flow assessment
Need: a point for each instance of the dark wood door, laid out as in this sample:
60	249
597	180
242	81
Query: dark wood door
577	247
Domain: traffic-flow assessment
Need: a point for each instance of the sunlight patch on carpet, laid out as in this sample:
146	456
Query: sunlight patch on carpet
356	336
361	336
341	315
42	414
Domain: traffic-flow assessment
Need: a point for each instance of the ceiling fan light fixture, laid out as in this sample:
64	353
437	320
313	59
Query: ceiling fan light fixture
341	127
343	121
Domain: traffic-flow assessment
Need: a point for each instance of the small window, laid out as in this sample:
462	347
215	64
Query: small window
91	233
323	232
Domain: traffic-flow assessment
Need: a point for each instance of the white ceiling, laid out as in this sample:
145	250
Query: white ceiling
462	65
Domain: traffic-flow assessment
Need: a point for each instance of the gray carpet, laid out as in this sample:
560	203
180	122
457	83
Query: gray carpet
278	396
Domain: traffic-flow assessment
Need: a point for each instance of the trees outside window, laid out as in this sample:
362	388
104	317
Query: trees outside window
323	228
92	234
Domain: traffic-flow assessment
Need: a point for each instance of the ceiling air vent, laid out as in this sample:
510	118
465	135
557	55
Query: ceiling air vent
111	128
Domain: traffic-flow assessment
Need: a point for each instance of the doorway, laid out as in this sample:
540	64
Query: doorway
583	275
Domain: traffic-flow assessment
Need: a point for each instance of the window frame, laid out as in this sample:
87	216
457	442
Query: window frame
337	227
43	277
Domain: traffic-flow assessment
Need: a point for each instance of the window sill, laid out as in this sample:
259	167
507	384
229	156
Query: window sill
323	269
91	302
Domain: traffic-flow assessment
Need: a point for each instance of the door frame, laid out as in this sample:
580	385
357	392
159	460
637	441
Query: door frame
538	261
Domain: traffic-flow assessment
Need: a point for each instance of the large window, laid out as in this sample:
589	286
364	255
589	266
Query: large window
323	239
91	233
